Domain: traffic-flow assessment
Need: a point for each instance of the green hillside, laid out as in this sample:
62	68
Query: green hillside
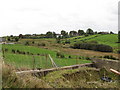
108	39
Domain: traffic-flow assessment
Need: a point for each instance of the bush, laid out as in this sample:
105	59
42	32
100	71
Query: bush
69	56
93	46
80	58
110	57
118	51
87	58
13	51
17	51
60	55
28	53
41	44
23	52
5	49
33	42
26	43
67	42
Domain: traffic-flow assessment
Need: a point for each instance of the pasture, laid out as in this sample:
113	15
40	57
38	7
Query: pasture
109	39
27	60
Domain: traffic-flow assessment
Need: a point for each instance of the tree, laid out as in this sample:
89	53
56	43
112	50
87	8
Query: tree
49	34
73	33
16	39
8	39
119	36
64	34
20	36
11	35
54	35
111	32
96	32
81	32
89	31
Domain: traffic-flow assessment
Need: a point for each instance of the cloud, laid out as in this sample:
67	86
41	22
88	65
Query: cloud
40	16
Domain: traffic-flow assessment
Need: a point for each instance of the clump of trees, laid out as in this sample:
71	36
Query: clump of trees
93	46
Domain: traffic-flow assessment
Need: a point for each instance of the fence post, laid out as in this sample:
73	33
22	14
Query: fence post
33	62
76	60
46	60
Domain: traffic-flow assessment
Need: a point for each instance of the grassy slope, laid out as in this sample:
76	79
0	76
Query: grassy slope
109	39
80	78
26	61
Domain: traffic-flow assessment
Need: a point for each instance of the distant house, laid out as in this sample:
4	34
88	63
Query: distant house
103	32
2	40
59	35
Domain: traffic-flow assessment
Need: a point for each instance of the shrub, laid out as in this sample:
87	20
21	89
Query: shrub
26	43
28	53
60	55
69	56
92	46
41	44
17	51
5	49
33	42
88	58
80	58
13	51
110	57
67	42
118	51
23	52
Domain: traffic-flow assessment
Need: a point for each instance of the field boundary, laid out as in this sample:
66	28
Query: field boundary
45	71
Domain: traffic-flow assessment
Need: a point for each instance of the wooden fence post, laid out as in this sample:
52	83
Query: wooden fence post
33	62
46	60
76	60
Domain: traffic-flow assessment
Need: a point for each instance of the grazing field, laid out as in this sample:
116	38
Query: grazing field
27	60
109	39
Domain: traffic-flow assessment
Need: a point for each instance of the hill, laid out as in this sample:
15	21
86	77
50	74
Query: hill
108	39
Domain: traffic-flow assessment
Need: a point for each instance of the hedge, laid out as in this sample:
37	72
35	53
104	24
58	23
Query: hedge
93	46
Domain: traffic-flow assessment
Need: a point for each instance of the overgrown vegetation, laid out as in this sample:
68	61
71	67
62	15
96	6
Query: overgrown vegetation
11	80
81	78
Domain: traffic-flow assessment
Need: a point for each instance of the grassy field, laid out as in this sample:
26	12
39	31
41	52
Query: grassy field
26	61
108	39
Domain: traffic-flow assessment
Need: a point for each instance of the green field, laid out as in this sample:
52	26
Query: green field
27	61
108	39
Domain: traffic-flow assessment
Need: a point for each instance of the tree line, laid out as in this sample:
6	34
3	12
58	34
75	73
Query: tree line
63	34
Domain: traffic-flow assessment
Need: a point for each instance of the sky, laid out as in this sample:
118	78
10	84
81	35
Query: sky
39	16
